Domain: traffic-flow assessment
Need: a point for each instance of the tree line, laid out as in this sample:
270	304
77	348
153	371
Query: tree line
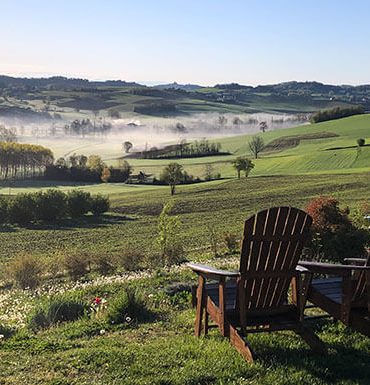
23	160
336	113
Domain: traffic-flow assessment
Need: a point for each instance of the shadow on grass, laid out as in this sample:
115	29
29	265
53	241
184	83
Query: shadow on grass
342	363
87	222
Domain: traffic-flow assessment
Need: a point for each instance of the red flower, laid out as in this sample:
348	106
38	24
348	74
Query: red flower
97	301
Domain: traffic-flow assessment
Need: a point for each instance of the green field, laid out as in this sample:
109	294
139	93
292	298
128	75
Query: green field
163	351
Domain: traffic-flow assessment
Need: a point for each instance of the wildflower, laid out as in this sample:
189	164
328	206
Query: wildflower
97	301
128	319
2	336
102	331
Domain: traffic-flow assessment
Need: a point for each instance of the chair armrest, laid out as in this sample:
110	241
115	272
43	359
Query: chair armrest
355	261
211	272
331	268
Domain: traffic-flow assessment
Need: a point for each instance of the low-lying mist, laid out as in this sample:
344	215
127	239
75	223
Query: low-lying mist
144	132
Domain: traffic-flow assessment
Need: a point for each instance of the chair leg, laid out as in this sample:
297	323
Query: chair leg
200	307
311	339
206	320
241	344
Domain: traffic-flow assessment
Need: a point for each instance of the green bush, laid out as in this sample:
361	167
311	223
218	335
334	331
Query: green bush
78	203
3	210
127	307
99	204
6	331
22	209
50	205
25	270
57	309
361	142
231	242
76	265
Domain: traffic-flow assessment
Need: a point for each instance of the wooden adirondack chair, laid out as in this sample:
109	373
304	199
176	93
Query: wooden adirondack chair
255	298
346	295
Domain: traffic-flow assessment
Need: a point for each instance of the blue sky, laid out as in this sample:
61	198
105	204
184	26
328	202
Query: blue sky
203	41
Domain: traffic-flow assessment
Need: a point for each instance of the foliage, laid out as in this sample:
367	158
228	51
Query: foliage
95	163
99	204
242	163
127	146
131	258
7	134
103	263
50	205
126	307
57	309
336	113
333	231
168	236
361	142
172	175
5	331
214	239
3	210
76	264
25	270
231	242
78	203
22	209
256	145
18	160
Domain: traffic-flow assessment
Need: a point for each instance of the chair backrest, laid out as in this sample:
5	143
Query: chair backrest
272	244
360	290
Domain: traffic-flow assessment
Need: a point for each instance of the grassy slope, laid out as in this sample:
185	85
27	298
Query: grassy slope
310	156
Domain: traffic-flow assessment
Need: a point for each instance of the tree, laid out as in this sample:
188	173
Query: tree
208	171
263	126
180	128
7	134
256	145
242	163
237	121
172	175
105	175
94	162
127	146
361	142
222	121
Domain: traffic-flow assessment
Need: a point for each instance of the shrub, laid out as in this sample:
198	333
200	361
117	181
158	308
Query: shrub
131	259
6	331
333	233
50	205
99	204
361	142
168	236
127	306
213	237
60	308
231	242
22	209
3	210
76	265
25	270
103	263
78	203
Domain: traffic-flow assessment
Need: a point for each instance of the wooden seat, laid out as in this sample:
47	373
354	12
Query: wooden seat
346	294
255	298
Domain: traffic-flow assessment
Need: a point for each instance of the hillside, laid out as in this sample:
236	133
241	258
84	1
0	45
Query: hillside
77	98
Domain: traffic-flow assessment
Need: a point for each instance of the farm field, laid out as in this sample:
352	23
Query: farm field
162	350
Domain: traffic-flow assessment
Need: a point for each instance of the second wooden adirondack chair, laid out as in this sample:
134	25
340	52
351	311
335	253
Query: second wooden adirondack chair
345	295
255	298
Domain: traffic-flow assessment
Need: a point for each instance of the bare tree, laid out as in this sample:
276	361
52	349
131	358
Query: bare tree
172	175
256	145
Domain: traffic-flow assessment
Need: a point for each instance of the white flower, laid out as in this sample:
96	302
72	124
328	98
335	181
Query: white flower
102	331
2	336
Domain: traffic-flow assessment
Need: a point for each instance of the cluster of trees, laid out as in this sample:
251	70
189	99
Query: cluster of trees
157	107
50	206
87	169
336	113
242	163
184	150
86	126
23	160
